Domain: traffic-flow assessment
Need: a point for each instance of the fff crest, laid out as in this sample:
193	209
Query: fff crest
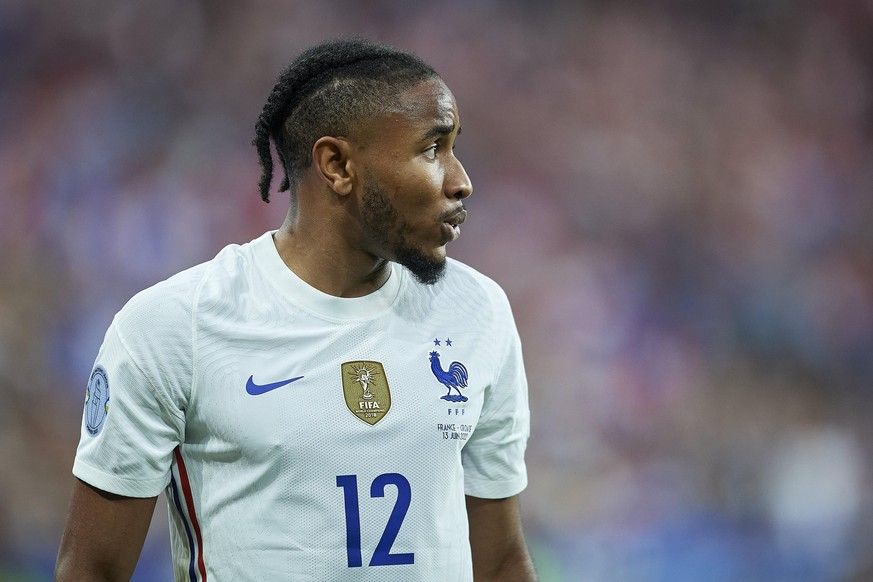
365	387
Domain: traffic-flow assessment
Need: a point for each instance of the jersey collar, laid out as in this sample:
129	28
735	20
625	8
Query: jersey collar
318	302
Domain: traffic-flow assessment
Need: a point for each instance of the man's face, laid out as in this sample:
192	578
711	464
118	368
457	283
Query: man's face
413	185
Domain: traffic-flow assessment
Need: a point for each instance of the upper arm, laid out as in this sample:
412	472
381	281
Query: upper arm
496	540
103	536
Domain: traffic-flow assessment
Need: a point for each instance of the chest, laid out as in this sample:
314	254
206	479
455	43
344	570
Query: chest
301	392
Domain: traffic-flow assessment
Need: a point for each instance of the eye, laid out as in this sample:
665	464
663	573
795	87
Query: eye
431	152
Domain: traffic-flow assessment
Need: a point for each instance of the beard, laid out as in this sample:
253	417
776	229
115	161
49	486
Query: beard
383	224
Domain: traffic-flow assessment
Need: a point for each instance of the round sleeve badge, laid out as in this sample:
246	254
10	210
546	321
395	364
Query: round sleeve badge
96	401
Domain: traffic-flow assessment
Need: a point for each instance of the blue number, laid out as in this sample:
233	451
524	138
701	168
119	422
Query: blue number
349	483
382	556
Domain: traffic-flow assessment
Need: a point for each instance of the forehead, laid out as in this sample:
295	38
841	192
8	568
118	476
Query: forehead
429	100
416	112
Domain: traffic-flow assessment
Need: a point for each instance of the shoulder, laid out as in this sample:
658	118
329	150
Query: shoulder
480	301
168	300
172	303
462	296
475	286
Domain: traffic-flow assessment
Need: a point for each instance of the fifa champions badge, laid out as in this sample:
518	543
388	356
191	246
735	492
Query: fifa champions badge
366	392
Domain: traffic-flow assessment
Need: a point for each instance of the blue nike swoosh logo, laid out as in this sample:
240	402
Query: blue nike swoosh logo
256	389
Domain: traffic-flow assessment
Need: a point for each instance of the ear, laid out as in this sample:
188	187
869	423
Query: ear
331	157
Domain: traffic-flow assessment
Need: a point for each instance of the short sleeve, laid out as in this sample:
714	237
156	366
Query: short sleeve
133	417
493	458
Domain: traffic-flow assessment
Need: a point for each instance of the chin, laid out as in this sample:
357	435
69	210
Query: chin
439	254
428	269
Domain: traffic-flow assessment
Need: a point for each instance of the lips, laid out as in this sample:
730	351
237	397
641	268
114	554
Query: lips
452	223
457	217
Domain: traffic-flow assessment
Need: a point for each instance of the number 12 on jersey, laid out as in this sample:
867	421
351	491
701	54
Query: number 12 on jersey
382	556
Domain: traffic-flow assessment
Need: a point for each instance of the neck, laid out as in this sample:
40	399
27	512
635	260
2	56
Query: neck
327	263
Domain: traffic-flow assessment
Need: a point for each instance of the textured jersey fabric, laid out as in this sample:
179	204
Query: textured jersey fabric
301	436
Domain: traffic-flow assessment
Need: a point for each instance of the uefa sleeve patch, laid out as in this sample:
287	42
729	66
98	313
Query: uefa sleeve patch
96	401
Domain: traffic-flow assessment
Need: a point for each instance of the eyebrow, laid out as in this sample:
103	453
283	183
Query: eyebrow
440	130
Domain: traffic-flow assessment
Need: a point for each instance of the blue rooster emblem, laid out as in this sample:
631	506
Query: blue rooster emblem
455	377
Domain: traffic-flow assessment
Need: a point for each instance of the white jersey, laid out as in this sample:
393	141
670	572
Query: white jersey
301	436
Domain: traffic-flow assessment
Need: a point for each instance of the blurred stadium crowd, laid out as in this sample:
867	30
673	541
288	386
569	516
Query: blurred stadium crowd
676	196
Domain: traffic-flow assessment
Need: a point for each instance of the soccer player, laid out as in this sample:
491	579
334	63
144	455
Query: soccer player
335	400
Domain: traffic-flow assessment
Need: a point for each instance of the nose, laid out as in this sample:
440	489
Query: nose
458	184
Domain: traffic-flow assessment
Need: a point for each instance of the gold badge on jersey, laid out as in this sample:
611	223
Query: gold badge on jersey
365	387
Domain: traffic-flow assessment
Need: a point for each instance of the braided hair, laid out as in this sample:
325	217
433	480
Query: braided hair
325	91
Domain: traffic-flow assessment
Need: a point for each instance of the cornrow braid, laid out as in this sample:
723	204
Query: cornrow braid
326	90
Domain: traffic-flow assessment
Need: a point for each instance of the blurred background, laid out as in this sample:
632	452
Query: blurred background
676	196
